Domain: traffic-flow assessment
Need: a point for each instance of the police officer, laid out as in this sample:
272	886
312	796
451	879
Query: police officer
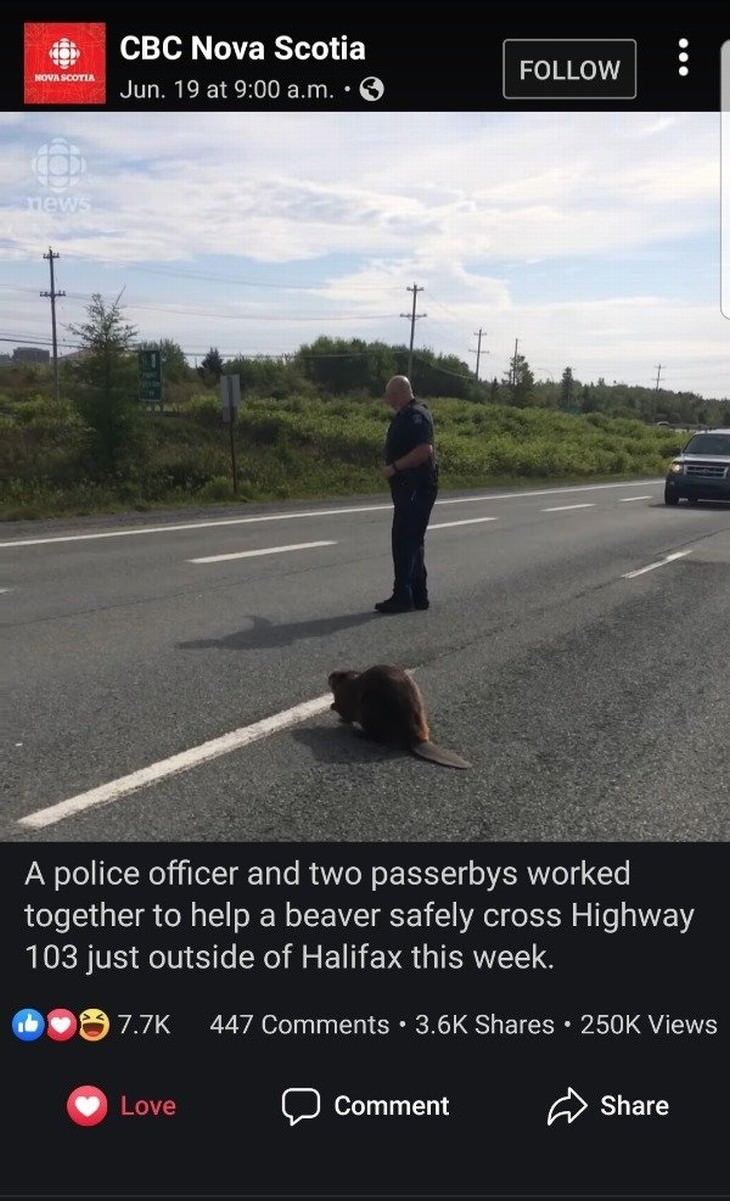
410	468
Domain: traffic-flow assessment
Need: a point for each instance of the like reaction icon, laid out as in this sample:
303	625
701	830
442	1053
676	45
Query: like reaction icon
28	1025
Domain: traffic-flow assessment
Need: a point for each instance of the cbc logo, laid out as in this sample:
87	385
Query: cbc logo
64	53
58	165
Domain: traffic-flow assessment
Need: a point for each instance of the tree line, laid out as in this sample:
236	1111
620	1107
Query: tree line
352	367
358	368
102	381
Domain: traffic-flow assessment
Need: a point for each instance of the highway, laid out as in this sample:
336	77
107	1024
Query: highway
167	674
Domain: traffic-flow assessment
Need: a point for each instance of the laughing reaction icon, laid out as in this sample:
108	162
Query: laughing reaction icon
93	1025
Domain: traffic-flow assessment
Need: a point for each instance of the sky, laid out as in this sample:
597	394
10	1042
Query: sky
591	238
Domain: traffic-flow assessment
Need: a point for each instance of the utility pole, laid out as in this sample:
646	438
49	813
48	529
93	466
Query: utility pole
513	372
52	296
656	389
413	318
478	352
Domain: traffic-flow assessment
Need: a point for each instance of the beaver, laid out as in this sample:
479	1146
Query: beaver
390	708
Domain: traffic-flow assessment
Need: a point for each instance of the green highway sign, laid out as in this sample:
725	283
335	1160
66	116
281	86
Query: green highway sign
150	376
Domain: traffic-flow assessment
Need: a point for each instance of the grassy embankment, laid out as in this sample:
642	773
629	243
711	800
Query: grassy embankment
297	448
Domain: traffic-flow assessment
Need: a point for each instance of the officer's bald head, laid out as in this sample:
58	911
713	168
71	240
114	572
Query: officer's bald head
398	391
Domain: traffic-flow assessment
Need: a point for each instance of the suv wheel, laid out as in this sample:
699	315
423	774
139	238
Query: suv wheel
670	498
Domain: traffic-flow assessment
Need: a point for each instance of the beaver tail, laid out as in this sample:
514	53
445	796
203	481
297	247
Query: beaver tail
438	754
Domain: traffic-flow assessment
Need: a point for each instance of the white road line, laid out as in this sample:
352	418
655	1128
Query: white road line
175	764
624	500
192	525
445	525
6	590
528	494
267	550
203	525
678	554
564	508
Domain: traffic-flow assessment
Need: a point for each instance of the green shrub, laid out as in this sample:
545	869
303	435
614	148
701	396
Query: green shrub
217	489
297	447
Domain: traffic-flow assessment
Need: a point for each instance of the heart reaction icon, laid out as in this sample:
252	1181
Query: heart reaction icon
87	1105
61	1025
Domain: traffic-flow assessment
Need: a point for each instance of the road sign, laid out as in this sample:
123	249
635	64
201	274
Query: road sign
230	400
230	395
150	376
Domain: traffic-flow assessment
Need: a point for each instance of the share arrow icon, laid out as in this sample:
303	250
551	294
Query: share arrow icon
571	1106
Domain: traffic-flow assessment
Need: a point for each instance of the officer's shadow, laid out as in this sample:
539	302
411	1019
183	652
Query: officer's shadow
262	632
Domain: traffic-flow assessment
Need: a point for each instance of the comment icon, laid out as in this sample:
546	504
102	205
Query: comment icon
298	1104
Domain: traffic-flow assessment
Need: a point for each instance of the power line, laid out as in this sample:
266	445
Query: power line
21	340
186	311
214	277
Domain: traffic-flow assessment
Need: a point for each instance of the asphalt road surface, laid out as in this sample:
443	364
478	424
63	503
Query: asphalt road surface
168	676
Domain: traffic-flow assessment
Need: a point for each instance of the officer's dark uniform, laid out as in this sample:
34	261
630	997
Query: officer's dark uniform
414	492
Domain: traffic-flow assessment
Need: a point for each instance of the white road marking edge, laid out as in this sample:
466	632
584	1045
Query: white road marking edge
446	525
175	764
678	554
266	550
202	525
564	508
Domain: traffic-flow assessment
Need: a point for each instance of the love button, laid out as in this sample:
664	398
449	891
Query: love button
148	1107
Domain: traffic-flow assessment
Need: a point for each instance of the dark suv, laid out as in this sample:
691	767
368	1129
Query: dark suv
702	470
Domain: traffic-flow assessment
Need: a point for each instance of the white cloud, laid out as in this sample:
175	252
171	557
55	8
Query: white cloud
491	213
282	187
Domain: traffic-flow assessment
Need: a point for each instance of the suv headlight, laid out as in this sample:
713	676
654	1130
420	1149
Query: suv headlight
677	468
